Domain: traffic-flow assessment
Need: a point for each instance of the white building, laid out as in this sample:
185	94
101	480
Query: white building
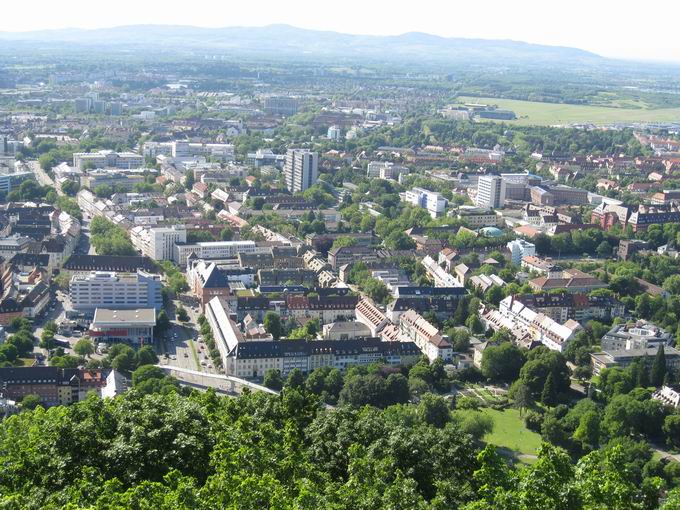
107	159
128	326
439	276
102	289
158	243
216	250
432	201
426	336
519	248
301	169
490	192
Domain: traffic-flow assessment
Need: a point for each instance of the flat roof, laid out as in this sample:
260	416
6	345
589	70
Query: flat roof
145	316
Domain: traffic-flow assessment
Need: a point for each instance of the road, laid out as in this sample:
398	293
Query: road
182	345
41	176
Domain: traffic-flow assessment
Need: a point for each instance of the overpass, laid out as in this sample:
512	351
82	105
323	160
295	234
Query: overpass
220	382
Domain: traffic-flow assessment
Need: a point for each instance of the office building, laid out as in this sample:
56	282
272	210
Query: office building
432	201
280	105
107	159
214	250
102	289
301	169
490	192
158	243
123	326
519	248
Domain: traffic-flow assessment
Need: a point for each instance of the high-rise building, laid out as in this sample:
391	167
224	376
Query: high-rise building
491	192
301	170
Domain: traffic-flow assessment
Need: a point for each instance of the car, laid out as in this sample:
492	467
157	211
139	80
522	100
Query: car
210	365
173	357
203	363
186	355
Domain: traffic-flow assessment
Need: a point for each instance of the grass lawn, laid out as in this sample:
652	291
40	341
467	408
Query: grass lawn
545	114
509	433
194	354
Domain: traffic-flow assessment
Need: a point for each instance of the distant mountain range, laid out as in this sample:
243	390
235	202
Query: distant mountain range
276	40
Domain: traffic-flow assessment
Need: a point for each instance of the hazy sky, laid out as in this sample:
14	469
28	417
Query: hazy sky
618	28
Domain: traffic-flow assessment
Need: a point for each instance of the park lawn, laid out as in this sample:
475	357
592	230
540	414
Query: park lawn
25	362
510	432
547	114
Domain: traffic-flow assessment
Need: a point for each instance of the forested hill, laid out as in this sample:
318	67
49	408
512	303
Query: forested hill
167	451
277	40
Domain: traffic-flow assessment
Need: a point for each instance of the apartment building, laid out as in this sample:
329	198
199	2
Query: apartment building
426	336
477	217
301	170
101	289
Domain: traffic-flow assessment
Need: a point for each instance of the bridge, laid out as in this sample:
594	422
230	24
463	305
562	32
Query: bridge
221	383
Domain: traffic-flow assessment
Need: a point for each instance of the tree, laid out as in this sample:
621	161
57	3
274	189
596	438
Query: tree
671	429
146	356
658	372
434	410
226	234
549	394
502	363
522	397
182	314
376	290
272	323
84	347
604	250
273	379
30	402
296	379
162	322
474	324
126	360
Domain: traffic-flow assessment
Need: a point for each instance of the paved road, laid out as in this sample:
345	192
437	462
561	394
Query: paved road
41	176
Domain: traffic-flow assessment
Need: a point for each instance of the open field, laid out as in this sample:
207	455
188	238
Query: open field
547	114
510	433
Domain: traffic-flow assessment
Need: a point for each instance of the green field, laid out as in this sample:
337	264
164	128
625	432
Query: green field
546	114
509	432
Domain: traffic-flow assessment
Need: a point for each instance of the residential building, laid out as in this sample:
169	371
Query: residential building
116	290
541	266
668	395
440	277
123	326
572	280
477	217
426	336
490	192
368	314
301	170
54	386
206	280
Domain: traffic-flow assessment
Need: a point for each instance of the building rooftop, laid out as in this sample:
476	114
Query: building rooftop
142	316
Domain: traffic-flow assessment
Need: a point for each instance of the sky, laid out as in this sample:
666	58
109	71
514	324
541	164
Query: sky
613	28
